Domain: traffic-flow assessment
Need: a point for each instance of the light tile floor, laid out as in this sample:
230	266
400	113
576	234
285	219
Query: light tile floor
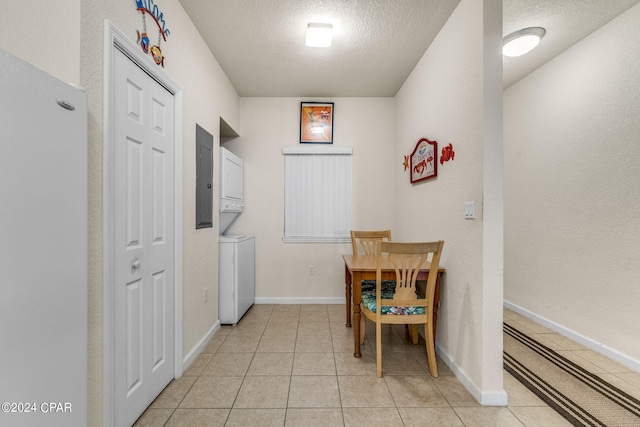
293	365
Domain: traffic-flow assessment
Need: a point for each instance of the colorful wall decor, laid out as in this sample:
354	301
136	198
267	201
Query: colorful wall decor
447	154
423	160
316	122
147	7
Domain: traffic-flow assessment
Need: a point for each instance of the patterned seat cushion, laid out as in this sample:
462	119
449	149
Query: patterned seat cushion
370	285
388	289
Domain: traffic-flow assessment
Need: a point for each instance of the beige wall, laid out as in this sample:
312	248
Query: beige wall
446	99
70	46
46	34
268	125
545	167
572	204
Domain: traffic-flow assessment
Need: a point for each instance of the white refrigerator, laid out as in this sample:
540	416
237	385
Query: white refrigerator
237	277
43	248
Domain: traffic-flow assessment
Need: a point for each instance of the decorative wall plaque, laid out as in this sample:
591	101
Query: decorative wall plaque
423	162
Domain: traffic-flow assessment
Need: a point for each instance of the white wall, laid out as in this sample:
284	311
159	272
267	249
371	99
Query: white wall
66	39
269	124
572	204
446	98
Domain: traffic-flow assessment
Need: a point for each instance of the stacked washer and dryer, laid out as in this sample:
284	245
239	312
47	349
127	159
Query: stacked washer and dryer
236	270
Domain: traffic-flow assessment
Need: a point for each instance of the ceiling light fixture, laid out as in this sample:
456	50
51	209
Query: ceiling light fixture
319	35
522	41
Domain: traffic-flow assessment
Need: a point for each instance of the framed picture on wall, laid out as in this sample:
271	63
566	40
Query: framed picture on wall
316	122
423	161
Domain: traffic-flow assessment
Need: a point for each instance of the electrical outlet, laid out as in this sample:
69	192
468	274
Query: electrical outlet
312	269
206	294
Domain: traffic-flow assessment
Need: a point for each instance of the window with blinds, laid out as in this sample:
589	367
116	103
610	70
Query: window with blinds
317	194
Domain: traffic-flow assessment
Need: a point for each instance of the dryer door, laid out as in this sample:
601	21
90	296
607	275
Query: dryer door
232	179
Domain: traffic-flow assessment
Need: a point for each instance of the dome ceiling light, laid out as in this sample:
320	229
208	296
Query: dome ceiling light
522	41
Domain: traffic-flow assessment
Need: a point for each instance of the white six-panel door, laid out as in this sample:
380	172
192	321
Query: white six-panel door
143	239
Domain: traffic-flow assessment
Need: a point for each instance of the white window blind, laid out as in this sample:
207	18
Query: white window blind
317	194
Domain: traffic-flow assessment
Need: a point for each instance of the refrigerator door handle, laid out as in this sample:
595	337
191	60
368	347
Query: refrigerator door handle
64	104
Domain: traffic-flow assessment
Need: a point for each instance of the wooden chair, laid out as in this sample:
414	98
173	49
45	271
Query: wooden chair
367	240
402	305
365	243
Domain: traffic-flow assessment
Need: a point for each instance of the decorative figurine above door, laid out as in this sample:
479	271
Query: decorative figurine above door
147	7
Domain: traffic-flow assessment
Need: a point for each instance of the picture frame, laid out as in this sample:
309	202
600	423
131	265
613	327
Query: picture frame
423	161
316	122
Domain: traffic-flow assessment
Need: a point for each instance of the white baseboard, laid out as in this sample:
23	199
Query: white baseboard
333	300
494	398
200	345
485	398
596	346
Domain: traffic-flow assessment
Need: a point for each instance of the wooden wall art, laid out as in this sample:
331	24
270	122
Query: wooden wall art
423	162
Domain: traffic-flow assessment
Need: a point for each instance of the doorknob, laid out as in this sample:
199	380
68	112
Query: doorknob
136	264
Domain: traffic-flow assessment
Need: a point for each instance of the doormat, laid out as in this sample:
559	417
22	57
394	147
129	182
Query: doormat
582	398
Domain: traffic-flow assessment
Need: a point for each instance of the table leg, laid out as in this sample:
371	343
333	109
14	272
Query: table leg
347	294
356	313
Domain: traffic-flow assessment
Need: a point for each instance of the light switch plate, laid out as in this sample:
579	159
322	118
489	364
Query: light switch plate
469	210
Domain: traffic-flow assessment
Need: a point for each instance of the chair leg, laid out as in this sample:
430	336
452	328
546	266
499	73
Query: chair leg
363	322
431	350
414	333
378	349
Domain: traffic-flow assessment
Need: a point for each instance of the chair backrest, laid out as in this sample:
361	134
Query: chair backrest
367	241
407	258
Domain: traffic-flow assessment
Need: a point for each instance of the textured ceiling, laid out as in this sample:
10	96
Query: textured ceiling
376	43
566	21
260	43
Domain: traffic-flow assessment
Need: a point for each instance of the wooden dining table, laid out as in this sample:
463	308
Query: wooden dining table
363	267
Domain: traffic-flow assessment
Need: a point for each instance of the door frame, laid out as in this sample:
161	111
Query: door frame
115	39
